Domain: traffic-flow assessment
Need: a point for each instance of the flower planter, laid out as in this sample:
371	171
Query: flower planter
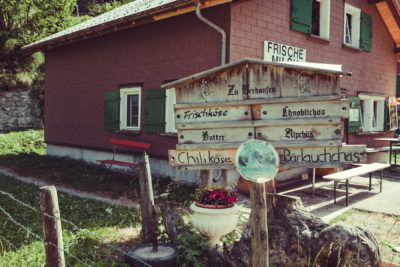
214	222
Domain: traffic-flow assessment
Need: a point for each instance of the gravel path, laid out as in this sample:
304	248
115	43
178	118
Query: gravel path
68	190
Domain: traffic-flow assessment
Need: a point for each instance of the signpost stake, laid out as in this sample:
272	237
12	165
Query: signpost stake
259	226
205	178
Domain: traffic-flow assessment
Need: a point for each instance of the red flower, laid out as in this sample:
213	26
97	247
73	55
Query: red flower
231	200
222	196
212	196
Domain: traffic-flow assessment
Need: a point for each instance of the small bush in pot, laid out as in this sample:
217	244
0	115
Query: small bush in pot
219	197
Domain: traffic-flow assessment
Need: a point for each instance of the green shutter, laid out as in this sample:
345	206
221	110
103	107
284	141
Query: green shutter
111	111
155	111
301	15
354	118
398	85
365	32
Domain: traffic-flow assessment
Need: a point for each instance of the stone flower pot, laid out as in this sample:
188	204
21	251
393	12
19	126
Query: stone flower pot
214	222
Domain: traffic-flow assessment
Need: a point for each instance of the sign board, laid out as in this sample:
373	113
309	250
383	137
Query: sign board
305	110
257	161
271	132
322	157
256	80
295	108
215	135
276	52
213	114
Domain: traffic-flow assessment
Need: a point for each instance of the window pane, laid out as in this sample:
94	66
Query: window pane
348	28
315	17
375	114
132	118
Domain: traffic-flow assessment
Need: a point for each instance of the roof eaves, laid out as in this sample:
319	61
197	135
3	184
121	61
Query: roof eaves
104	28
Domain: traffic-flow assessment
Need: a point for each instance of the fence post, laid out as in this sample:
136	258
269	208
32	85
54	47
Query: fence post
51	226
149	216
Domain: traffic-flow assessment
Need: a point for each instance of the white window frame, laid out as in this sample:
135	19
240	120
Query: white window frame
324	18
355	25
170	101
124	93
372	120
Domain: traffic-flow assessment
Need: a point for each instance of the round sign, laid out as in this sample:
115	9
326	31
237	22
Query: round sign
257	161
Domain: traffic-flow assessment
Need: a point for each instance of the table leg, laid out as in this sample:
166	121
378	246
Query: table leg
334	191
370	181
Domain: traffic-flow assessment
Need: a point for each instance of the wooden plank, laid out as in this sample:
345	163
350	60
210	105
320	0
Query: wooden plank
304	133
323	157
304	110
213	136
257	123
256	81
212	114
324	143
290	82
365	169
223	85
261	101
205	157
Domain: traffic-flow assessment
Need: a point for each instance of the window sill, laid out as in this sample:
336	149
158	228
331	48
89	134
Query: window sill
129	131
352	47
319	38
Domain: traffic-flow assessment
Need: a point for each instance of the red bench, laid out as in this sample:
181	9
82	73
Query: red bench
113	161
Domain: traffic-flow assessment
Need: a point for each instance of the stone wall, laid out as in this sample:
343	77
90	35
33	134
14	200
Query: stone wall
19	110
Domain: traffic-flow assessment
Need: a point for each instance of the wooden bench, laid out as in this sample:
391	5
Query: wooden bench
113	161
348	174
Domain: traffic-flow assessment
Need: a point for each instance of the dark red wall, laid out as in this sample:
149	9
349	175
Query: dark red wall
78	75
255	21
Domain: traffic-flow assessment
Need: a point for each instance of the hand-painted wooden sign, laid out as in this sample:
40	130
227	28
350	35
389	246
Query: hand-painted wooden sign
255	79
305	110
295	108
271	132
214	136
323	157
257	161
209	114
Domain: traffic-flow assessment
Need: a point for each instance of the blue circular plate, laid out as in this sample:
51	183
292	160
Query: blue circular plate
257	161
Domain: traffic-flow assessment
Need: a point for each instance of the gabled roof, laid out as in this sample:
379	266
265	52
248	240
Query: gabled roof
129	15
389	11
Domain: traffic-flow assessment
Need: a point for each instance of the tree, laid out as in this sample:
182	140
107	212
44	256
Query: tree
23	22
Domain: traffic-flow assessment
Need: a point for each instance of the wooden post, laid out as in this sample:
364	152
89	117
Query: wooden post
51	226
259	226
205	178
149	216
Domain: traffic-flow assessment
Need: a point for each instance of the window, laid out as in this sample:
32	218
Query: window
372	113
351	25
130	108
311	16
123	110
357	30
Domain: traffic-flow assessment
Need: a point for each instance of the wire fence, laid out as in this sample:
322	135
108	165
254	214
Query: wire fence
74	226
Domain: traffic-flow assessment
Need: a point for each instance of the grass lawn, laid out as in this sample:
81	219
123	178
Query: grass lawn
120	226
25	153
384	227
